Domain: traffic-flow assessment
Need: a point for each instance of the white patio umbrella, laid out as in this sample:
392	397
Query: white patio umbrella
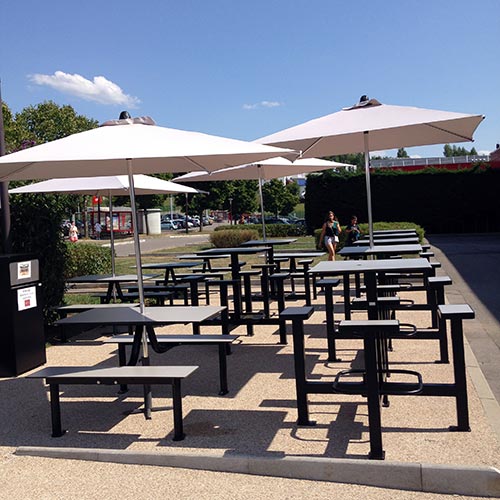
372	126
128	146
273	168
106	186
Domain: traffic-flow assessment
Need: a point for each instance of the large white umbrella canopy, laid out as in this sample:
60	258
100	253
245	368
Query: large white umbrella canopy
273	168
106	186
128	146
146	147
372	126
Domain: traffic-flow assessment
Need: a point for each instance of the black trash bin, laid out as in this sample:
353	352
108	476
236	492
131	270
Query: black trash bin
22	338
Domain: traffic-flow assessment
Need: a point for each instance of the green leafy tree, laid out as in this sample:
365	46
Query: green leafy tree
450	151
36	219
402	153
357	159
47	122
280	198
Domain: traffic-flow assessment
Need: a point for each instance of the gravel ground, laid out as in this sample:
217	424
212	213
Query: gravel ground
256	418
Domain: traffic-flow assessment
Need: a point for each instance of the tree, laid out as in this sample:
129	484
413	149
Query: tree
357	159
47	122
36	219
402	153
280	198
450	151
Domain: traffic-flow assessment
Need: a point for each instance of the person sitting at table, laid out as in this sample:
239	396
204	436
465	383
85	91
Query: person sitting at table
353	231
330	235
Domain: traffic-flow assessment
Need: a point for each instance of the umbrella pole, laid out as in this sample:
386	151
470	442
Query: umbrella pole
262	207
138	264
111	235
368	188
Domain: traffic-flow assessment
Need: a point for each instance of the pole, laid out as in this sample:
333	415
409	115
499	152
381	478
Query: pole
368	188
4	193
111	234
138	263
262	207
186	217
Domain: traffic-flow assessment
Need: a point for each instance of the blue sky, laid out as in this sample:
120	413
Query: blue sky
247	69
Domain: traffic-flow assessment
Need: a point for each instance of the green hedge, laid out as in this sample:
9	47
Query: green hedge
377	226
442	201
272	230
230	239
86	258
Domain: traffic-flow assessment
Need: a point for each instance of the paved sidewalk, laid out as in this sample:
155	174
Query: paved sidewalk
473	263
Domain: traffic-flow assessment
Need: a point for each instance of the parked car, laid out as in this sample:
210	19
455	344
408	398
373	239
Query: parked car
169	226
275	220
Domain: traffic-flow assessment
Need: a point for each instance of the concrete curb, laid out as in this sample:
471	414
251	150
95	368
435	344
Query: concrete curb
451	479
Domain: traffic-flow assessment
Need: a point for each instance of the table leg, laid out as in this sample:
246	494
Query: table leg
148	395
235	274
347	297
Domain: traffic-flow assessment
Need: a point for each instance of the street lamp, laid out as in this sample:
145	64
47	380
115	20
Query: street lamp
231	209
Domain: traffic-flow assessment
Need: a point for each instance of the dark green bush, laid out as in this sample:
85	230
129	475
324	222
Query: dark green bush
86	258
229	239
442	201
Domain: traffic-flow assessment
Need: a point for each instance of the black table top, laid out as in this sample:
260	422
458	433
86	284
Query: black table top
170	265
82	372
380	249
150	316
362	266
106	278
298	255
272	242
232	250
390	241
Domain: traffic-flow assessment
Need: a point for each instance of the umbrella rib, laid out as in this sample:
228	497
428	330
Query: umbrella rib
21	169
304	151
201	167
450	132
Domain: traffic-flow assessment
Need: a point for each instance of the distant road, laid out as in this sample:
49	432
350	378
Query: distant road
172	239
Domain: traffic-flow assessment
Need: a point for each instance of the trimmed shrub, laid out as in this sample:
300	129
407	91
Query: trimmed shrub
272	230
86	258
229	238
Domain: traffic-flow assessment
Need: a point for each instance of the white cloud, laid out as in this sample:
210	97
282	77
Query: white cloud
263	104
484	152
415	156
100	89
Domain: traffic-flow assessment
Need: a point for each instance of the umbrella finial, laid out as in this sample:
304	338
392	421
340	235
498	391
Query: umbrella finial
124	115
363	98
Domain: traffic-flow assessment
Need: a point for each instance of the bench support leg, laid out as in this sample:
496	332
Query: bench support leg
374	417
177	404
300	373
460	376
223	369
55	411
